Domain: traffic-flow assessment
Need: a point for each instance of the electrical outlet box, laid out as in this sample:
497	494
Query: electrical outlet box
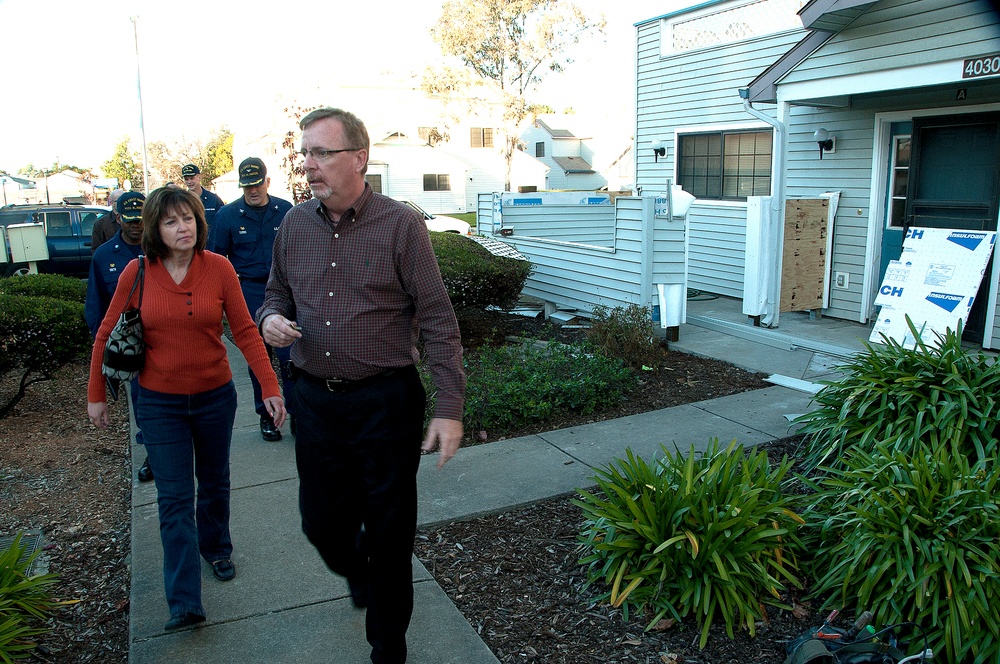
842	280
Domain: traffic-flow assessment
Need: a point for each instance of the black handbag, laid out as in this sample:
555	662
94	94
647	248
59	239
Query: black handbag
125	352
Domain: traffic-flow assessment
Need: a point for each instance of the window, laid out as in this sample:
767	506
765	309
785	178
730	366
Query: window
540	149
375	180
87	221
726	165
439	182
481	137
57	224
899	180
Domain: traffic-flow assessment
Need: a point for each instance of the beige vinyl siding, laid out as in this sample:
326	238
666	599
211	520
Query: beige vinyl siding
700	89
904	33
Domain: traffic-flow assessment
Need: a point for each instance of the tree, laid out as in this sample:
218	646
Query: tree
292	162
213	156
218	155
124	165
509	46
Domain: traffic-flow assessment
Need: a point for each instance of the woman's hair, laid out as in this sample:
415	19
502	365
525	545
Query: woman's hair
157	205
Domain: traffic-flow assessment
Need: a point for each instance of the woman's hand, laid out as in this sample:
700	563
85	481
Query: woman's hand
97	411
276	409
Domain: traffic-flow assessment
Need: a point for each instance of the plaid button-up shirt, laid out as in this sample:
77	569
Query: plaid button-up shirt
362	289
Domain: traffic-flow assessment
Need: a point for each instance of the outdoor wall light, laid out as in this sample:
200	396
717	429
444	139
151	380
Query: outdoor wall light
659	150
826	142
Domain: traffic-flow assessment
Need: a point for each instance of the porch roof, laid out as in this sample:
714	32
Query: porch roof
823	19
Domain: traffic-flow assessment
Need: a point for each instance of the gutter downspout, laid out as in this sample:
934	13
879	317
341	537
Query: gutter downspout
776	218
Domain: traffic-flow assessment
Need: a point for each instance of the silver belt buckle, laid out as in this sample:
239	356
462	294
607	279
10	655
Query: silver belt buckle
333	383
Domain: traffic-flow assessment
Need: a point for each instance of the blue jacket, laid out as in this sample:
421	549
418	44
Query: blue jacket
245	235
212	205
106	266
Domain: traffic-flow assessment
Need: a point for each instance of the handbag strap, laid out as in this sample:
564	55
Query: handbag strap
139	282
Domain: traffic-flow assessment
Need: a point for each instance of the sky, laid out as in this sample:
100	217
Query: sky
70	67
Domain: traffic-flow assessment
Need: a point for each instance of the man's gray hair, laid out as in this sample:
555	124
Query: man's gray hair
354	129
113	198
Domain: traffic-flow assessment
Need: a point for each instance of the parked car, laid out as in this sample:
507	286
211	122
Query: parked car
67	233
440	222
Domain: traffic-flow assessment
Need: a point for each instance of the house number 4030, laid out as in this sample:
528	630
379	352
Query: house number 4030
988	65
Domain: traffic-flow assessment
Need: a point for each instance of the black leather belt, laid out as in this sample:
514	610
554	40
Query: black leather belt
341	384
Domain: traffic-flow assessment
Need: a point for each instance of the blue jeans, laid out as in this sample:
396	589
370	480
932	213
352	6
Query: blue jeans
188	437
253	293
133	390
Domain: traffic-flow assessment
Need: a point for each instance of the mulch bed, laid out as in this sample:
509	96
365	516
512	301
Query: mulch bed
516	579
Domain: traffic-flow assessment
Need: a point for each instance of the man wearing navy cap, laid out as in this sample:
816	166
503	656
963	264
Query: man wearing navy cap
106	266
192	180
244	231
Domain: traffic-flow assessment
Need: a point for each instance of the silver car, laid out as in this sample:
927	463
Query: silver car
440	222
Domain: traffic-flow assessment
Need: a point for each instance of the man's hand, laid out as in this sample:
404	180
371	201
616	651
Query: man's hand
97	411
279	332
445	435
276	409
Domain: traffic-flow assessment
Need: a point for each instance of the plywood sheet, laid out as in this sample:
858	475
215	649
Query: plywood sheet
803	264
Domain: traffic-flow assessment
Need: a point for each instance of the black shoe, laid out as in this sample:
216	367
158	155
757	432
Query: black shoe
224	570
145	472
183	620
268	431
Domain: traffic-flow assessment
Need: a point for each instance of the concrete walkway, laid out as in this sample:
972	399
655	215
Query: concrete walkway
284	606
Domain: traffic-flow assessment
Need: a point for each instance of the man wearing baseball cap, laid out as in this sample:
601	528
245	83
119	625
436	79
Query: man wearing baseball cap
192	180
106	266
243	231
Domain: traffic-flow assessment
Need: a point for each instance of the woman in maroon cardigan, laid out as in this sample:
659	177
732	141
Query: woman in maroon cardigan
186	398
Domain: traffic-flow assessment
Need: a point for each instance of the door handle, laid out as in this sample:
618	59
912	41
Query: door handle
907	222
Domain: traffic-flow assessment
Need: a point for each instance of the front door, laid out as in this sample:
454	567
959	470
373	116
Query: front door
953	179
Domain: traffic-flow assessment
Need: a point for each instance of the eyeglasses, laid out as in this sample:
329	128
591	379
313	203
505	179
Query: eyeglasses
320	154
132	221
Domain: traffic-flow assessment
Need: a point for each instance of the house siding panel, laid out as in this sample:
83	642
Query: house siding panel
691	90
580	277
904	33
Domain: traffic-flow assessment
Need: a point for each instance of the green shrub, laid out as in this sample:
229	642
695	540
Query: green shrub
22	599
476	278
517	385
38	335
56	286
709	536
625	333
913	536
942	396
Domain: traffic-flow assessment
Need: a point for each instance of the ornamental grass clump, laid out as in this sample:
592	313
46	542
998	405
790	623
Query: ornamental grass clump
710	536
24	603
625	333
913	536
941	395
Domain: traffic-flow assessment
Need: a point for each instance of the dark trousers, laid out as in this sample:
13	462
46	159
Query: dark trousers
253	293
358	453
